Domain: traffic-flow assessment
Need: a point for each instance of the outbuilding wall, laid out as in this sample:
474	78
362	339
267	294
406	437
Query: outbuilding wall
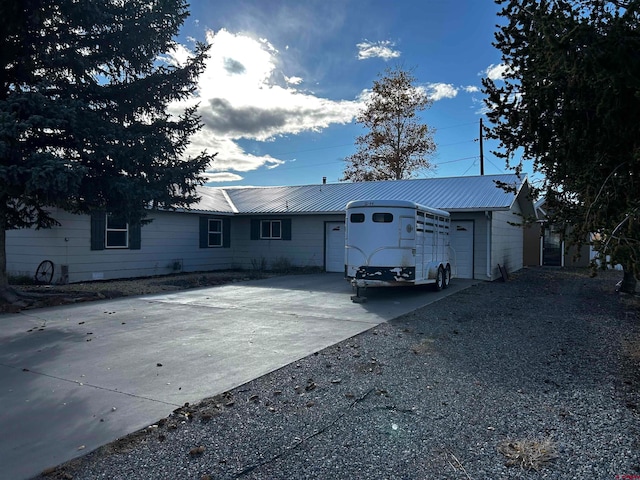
507	233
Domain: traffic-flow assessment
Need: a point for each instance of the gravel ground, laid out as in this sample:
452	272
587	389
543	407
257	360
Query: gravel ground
543	366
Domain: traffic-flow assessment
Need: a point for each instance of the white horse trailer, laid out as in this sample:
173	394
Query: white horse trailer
396	242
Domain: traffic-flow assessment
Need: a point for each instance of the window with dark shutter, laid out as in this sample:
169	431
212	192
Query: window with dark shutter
98	226
215	232
110	232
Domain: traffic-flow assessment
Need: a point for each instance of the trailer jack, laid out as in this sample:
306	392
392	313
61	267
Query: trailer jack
358	298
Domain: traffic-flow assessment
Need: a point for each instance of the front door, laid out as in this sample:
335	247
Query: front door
461	239
334	246
551	248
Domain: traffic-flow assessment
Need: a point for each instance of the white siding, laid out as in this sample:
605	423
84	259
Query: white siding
507	241
169	238
305	249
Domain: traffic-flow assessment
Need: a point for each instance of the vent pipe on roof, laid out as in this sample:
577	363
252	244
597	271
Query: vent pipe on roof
324	180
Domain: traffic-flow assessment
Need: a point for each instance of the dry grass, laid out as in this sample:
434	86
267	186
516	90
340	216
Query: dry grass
529	454
425	347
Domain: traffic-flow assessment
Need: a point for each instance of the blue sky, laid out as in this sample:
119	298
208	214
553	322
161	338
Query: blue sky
285	80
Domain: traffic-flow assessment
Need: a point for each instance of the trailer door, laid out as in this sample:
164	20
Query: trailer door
407	231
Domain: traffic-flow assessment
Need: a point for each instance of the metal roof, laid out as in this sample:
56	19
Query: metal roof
453	194
212	200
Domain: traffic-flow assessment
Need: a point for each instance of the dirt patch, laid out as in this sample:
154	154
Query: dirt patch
38	296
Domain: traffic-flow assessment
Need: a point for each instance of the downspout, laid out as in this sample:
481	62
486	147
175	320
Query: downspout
487	215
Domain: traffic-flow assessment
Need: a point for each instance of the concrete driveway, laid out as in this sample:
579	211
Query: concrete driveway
76	377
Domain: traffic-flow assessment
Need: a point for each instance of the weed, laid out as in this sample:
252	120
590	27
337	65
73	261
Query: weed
21	279
529	454
259	264
424	347
281	265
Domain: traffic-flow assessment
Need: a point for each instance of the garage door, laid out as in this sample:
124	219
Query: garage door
462	248
334	246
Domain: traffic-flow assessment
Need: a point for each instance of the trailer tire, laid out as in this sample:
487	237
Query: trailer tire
439	285
447	277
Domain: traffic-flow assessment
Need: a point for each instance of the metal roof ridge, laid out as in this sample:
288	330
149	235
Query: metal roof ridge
226	196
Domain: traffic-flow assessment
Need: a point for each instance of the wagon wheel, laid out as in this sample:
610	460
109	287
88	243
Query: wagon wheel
44	272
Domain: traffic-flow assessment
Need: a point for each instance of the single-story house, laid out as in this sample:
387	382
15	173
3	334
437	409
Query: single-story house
250	227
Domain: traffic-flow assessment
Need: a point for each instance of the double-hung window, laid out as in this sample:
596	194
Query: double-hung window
112	232
116	232
214	232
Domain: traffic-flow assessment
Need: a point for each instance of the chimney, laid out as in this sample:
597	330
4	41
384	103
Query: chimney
324	180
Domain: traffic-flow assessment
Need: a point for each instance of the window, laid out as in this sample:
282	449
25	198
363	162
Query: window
109	231
383	217
117	233
271	229
357	217
214	233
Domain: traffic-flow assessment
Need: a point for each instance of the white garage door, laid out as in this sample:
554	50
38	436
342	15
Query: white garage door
462	248
334	246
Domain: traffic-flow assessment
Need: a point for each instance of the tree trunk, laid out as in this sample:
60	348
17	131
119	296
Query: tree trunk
4	280
7	294
628	284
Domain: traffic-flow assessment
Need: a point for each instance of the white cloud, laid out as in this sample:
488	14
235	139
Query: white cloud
438	91
244	95
496	72
293	80
222	177
471	89
382	49
178	56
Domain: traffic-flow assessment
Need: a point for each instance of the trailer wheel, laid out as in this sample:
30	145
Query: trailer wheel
447	277
440	279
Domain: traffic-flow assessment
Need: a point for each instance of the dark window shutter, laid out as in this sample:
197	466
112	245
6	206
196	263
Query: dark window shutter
135	236
286	229
204	232
98	229
255	229
226	232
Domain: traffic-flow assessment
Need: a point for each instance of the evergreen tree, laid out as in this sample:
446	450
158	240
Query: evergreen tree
397	146
570	102
83	111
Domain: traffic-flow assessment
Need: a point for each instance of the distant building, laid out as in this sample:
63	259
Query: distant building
544	244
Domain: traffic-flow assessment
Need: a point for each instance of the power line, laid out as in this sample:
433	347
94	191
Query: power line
351	144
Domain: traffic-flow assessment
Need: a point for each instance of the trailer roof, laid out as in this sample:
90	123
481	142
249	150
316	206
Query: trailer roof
452	194
395	203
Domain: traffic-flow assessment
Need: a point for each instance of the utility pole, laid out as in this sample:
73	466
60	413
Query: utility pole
481	151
